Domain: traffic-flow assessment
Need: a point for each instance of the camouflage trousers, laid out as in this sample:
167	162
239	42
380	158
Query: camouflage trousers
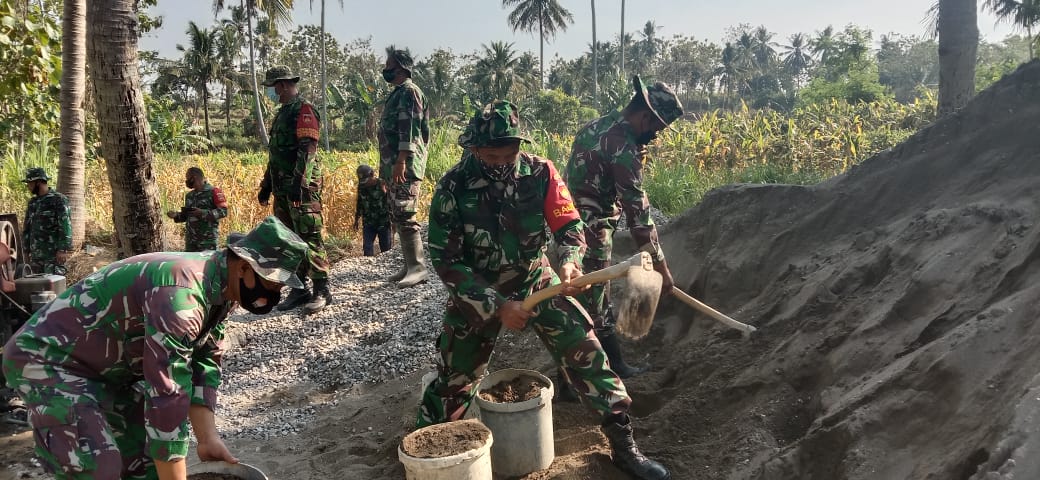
84	429
306	221
599	236
404	200
46	262
199	244
564	328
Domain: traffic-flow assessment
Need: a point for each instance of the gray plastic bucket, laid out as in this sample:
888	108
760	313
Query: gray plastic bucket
523	430
470	465
240	470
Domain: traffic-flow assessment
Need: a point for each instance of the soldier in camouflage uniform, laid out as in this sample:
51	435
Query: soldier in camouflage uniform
605	174
404	133
488	238
121	368
47	233
373	207
294	177
204	206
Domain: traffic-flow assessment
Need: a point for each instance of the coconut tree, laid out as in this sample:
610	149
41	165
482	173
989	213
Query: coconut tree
123	126
277	11
201	64
547	17
956	23
324	79
496	71
824	45
1021	13
72	161
229	43
796	58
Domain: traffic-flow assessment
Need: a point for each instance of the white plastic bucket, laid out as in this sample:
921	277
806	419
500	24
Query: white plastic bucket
240	470
523	430
470	465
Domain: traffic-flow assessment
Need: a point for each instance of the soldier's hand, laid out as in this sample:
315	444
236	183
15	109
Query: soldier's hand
214	449
264	197
171	214
399	169
667	282
198	212
513	316
570	272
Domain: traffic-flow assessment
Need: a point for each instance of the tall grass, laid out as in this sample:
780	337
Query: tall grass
807	146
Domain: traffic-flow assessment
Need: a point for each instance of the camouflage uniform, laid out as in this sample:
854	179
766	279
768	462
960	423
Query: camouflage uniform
47	230
487	244
373	208
605	175
294	174
404	126
109	369
201	233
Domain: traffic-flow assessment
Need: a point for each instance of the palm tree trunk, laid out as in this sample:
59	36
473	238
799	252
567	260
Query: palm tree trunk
324	83
227	108
123	126
622	42
205	109
72	162
260	127
595	60
958	42
541	49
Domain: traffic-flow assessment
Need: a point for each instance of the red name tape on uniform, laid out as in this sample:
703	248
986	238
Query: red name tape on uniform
307	123
559	206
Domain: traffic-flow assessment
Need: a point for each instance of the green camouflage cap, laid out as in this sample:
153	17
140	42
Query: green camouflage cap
500	120
273	251
277	73
403	57
35	173
661	100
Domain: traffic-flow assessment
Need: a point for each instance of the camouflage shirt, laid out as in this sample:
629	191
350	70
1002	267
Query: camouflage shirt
293	168
154	323
48	228
605	175
404	126
202	233
488	239
372	205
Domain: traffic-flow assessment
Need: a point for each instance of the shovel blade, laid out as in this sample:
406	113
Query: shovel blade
638	304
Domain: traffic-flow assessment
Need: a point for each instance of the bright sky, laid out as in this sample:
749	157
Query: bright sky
463	25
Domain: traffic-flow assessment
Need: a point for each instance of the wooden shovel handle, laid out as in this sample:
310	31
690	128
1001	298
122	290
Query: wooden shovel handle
599	276
711	312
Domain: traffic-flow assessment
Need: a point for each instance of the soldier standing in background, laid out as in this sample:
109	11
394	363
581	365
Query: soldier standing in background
47	231
372	207
404	133
294	177
605	175
488	222
204	206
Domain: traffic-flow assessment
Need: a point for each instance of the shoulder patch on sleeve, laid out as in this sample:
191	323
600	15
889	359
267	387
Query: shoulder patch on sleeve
219	200
307	125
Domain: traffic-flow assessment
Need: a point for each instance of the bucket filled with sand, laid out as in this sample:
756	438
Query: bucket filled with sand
224	471
447	451
516	404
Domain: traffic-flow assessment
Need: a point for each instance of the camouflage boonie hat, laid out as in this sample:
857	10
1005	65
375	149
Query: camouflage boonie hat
273	251
403	57
661	99
279	73
365	171
35	173
499	120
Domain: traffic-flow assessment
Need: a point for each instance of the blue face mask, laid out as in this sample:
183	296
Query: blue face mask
272	94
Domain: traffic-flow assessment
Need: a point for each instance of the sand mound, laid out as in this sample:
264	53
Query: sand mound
896	307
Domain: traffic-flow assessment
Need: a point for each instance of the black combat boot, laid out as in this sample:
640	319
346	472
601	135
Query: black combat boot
297	297
320	298
612	348
627	457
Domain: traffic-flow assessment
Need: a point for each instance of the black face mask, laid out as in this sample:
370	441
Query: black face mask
190	183
250	296
497	173
646	137
389	74
36	188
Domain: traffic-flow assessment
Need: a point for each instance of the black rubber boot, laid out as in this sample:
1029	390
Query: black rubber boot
297	297
612	348
415	261
320	298
627	457
564	391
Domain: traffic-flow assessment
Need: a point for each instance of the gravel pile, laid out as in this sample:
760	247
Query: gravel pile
280	364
